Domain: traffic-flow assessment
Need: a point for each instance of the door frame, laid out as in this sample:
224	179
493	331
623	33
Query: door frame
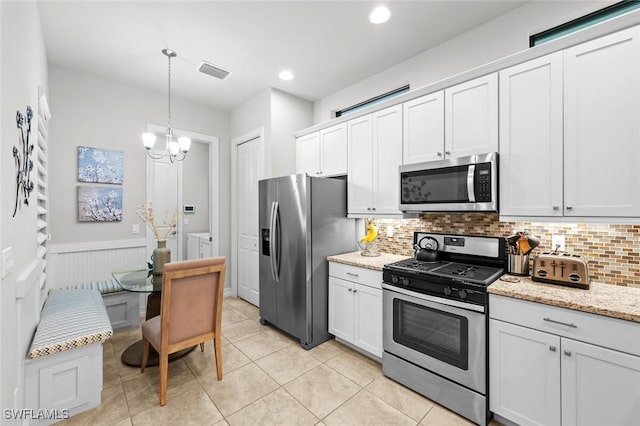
235	143
214	184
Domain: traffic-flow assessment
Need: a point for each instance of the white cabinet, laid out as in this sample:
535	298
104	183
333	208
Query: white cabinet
569	131
423	138
198	245
323	153
471	117
531	138
375	153
602	126
554	366
355	306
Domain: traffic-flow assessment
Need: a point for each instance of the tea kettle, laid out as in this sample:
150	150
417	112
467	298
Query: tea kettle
427	249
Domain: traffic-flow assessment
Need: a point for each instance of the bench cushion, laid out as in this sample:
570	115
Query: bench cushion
70	318
103	286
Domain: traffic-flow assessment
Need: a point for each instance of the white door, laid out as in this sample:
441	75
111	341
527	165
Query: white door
531	138
524	374
387	157
249	171
367	311
599	386
341	308
163	186
308	154
602	126
423	129
360	166
333	150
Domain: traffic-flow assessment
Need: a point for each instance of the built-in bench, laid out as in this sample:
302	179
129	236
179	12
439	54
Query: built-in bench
123	307
63	370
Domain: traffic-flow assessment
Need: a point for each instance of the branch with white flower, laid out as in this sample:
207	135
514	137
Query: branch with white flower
145	213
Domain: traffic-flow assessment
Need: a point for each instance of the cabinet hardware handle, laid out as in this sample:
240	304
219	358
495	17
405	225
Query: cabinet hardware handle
569	207
448	152
352	274
373	208
350	289
572	325
567	353
552	348
355	291
439	154
368	208
556	208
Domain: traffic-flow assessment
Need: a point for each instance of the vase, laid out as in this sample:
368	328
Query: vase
161	255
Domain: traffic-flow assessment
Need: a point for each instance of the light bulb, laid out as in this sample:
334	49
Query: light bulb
184	143
174	148
148	140
379	15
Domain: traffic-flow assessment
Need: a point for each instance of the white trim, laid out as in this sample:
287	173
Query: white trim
598	30
96	245
235	142
28	278
572	219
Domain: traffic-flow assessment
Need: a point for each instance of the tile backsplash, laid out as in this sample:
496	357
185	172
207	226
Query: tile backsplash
613	251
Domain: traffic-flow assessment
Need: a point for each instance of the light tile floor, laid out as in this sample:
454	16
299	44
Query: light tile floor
268	380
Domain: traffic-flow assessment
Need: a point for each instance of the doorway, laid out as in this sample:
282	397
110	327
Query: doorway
247	164
166	192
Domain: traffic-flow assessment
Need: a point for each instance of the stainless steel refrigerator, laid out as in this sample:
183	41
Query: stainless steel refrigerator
302	221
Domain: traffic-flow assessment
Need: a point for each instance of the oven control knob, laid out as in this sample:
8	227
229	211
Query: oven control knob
405	281
394	279
462	294
447	291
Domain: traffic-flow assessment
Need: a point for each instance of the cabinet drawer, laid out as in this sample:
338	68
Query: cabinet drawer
363	276
600	330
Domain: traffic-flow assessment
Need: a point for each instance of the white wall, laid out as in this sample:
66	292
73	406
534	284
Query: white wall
503	36
24	67
251	115
288	114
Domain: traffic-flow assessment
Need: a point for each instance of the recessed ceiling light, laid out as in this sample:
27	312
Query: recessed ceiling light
285	75
379	15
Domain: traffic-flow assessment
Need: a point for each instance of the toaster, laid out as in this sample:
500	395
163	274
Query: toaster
561	268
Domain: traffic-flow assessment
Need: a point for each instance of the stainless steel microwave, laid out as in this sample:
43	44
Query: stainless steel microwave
465	184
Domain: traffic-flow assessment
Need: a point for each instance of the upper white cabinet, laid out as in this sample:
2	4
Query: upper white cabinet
471	117
423	138
602	126
323	153
570	131
375	153
531	138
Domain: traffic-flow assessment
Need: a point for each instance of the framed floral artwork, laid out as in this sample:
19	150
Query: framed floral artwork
97	165
99	204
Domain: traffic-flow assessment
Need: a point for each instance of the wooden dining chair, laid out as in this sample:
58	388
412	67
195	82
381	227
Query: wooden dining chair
190	313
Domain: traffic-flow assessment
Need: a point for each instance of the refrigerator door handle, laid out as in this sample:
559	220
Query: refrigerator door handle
273	246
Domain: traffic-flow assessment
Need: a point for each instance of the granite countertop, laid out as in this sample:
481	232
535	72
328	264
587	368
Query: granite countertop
375	263
602	299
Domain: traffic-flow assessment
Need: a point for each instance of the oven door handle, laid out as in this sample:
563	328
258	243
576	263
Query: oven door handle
434	299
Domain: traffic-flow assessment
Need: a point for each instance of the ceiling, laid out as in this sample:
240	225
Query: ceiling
327	45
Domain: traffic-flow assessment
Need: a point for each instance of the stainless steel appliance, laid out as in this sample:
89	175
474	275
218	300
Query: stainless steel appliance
302	221
561	268
457	184
435	321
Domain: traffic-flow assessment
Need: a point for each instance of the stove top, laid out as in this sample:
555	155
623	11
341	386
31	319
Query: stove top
476	274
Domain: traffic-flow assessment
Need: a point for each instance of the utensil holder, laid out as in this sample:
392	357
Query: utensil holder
518	264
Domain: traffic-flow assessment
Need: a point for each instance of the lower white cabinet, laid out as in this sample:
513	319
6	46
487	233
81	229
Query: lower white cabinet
559	373
355	306
198	245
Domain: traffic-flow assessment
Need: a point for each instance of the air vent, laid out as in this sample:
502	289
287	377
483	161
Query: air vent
213	70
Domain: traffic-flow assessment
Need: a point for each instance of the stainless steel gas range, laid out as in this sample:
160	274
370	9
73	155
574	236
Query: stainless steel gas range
435	321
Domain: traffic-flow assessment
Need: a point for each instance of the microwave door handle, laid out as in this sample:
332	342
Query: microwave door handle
470	180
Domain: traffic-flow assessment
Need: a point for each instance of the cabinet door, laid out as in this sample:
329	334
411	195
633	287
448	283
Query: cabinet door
368	319
387	148
193	247
333	150
471	117
360	165
599	386
205	248
602	126
341	308
531	138
524	368
308	154
423	138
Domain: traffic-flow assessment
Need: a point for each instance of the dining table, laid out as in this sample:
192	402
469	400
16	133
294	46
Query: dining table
141	279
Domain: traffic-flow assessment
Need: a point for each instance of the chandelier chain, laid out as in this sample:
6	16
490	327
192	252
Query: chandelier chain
169	101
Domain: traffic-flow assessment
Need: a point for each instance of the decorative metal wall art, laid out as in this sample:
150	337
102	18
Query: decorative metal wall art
22	157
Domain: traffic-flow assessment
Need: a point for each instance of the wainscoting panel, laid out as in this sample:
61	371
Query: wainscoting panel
71	264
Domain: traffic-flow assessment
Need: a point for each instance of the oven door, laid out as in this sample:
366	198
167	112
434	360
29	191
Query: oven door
446	337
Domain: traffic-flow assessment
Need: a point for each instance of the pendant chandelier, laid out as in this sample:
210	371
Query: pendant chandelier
175	149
